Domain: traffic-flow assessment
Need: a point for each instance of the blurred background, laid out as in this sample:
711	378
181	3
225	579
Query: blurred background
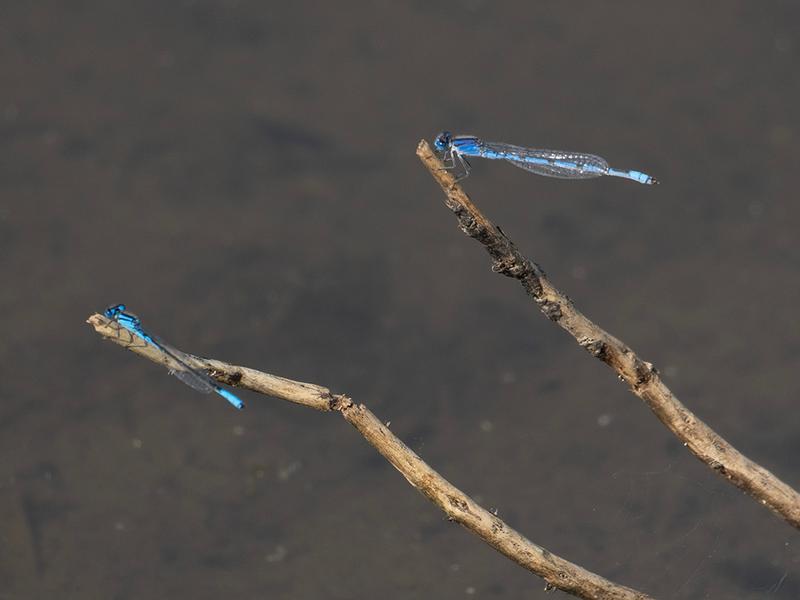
243	176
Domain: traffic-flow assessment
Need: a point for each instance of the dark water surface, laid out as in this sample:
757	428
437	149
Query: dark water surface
242	175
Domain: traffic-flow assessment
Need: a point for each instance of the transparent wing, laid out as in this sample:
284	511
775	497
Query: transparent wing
556	170
181	369
550	163
194	380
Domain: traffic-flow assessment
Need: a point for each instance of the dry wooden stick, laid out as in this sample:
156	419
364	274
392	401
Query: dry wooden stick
641	376
556	571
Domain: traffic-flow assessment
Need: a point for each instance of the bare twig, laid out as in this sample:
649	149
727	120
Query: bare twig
641	376
556	571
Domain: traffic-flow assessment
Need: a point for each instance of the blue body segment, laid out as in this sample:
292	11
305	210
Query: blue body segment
181	362
550	163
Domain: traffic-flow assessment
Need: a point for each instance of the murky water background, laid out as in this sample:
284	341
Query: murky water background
243	176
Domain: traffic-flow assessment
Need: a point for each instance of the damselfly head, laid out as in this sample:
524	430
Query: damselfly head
442	141
113	310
